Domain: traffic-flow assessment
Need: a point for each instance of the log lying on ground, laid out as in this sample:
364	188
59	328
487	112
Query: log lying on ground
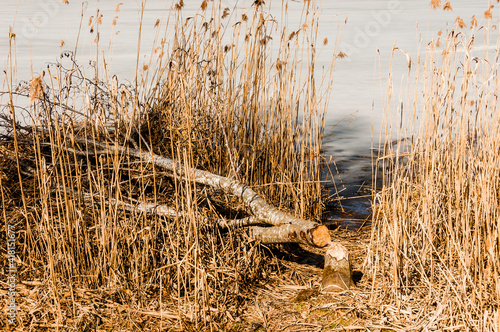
290	228
290	232
285	228
167	211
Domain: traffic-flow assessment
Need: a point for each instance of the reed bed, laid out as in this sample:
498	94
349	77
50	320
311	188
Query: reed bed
212	97
435	253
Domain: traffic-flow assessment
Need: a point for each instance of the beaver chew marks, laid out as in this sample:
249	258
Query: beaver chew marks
337	274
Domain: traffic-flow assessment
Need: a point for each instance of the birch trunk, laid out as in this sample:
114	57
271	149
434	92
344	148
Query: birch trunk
337	274
288	227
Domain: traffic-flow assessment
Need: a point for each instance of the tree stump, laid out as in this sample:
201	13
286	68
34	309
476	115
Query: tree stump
337	274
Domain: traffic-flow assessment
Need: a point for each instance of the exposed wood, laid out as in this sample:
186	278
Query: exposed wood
285	233
337	274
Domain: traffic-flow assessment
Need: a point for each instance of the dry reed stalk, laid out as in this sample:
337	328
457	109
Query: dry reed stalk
436	230
205	102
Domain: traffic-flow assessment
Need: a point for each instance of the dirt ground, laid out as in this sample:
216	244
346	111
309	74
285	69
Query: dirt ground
301	306
290	300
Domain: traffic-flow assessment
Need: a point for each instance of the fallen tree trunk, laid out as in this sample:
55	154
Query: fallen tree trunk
288	233
285	228
290	228
167	211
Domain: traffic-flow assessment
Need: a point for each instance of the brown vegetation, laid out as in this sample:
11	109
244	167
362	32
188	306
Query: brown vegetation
108	240
435	248
85	258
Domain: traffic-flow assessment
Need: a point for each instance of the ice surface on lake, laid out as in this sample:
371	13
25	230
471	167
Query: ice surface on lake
373	27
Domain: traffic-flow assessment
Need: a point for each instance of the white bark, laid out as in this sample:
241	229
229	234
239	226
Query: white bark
168	211
337	274
288	233
290	228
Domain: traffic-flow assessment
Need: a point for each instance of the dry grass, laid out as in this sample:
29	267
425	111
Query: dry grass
217	98
213	99
435	249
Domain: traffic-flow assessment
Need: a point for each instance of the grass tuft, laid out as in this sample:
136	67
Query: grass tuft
215	99
435	249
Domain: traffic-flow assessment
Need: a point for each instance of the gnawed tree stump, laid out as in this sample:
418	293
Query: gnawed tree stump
285	228
337	273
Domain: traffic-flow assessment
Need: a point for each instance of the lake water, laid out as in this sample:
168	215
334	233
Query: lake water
368	30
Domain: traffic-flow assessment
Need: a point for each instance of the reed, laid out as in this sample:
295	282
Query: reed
434	252
213	97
